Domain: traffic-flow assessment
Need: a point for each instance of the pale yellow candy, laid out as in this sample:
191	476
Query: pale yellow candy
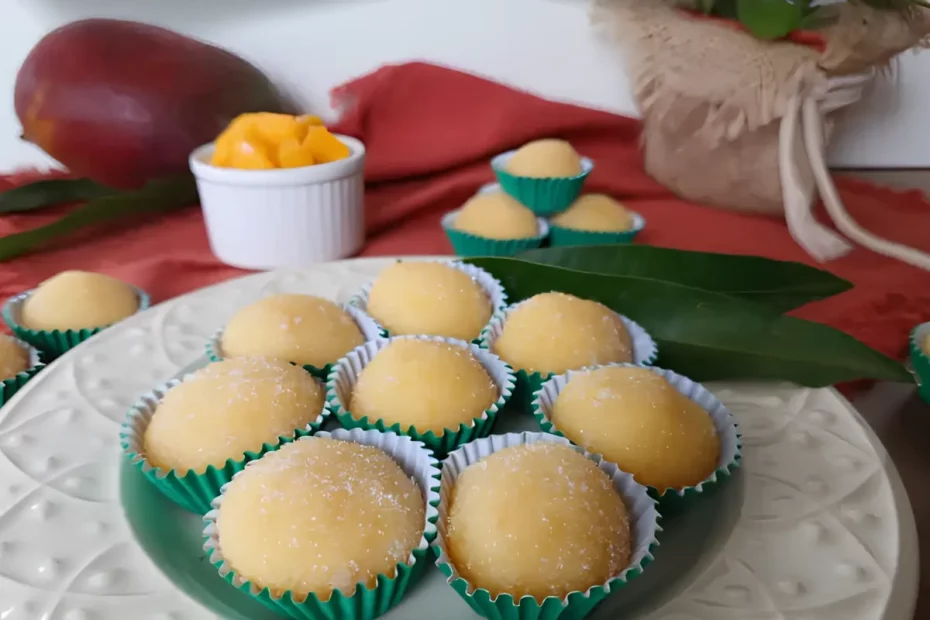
78	300
595	213
431	299
545	159
229	408
320	515
14	359
296	328
538	520
555	332
422	384
637	420
926	344
496	215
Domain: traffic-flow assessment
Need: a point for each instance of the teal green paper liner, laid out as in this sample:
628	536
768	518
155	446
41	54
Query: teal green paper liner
560	236
545	196
468	244
920	360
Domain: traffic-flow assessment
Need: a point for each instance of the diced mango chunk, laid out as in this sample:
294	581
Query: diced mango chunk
324	146
292	154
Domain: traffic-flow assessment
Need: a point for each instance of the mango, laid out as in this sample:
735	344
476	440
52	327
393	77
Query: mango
123	102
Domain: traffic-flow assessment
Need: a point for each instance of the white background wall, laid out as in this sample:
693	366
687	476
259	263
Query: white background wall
542	45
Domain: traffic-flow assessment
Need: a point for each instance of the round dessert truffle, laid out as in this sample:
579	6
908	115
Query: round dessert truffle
926	344
427	385
302	329
78	300
545	159
555	332
320	515
432	299
595	213
495	215
14	358
538	520
229	408
638	421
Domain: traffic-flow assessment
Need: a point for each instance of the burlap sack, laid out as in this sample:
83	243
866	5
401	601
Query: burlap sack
739	123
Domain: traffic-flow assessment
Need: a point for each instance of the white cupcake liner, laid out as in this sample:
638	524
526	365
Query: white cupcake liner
417	461
643	513
724	421
344	375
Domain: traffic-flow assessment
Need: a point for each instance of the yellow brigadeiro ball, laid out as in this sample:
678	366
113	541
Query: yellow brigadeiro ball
78	300
496	215
555	332
538	520
320	515
595	213
637	420
422	384
430	299
229	408
14	358
296	328
545	159
926	344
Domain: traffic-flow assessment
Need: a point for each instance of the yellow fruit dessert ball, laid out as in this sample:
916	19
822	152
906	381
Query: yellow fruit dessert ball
538	520
545	159
595	213
320	515
430	386
555	332
496	215
637	420
926	344
296	328
78	300
229	408
14	358
431	299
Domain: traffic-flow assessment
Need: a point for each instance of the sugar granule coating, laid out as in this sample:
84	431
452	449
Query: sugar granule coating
495	215
320	515
595	213
555	332
14	358
538	520
228	408
547	158
431	299
423	384
295	328
78	300
637	420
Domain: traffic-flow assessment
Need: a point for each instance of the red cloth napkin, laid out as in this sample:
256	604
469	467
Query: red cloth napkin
430	132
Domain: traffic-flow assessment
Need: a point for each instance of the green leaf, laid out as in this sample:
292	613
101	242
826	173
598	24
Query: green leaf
155	197
770	19
781	285
50	193
708	335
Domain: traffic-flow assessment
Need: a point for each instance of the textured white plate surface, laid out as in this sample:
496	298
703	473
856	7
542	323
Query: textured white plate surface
815	526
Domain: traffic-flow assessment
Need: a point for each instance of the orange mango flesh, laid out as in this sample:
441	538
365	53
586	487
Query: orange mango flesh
265	141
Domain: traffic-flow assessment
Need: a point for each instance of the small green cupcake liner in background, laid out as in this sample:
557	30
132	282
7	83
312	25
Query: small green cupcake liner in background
344	376
560	236
644	520
645	352
193	491
11	385
671	501
920	360
545	196
54	343
367	325
364	603
468	244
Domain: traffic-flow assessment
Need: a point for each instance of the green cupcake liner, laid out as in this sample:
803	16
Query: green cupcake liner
11	385
546	196
644	519
364	603
671	501
344	376
560	236
193	491
54	343
920	360
367	325
468	244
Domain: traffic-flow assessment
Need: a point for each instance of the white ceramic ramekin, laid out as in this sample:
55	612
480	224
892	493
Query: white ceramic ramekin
287	218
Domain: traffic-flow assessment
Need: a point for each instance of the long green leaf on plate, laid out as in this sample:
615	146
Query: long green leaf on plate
708	335
781	285
51	192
